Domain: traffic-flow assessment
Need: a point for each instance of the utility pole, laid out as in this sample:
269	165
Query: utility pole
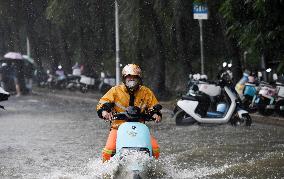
117	74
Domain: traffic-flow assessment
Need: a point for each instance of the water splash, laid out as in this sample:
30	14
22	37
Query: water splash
169	168
119	165
162	168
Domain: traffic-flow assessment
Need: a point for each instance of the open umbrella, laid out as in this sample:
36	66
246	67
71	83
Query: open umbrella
13	55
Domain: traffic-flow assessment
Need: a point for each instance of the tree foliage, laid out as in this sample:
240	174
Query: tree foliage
257	25
160	35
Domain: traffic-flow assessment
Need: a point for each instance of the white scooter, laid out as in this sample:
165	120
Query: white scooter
279	107
194	106
4	95
280	99
200	81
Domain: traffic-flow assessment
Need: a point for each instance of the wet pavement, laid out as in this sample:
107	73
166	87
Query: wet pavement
49	135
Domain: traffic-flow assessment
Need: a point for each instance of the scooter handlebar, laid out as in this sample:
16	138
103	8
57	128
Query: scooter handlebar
133	114
134	118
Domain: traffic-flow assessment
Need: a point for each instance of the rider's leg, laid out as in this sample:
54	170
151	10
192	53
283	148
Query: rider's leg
109	149
156	148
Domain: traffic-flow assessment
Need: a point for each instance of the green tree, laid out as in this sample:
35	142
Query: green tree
257	26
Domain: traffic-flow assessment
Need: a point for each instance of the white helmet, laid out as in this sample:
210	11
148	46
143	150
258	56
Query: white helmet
131	69
196	76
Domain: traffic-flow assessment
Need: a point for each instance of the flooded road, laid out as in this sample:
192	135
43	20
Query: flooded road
45	136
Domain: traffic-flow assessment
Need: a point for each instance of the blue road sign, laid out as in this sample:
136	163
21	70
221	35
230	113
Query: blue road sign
200	11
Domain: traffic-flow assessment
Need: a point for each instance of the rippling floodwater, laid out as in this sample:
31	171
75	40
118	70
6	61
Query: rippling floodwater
51	137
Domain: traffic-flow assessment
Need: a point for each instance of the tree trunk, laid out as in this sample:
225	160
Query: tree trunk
159	73
183	33
236	61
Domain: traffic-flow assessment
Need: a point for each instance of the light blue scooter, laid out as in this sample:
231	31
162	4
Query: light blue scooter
133	137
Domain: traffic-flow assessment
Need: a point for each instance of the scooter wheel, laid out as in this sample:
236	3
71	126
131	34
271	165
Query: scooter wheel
279	108
84	89
182	118
244	121
247	119
71	87
261	107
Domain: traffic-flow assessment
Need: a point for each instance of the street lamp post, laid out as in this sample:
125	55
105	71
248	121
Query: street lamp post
117	69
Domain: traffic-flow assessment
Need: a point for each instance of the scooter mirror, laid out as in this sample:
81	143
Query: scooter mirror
157	107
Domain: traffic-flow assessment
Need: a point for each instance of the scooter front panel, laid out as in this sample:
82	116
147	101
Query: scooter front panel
133	135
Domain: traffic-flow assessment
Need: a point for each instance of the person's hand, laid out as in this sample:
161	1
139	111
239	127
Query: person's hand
107	115
157	118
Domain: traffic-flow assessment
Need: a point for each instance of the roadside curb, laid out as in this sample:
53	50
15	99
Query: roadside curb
270	120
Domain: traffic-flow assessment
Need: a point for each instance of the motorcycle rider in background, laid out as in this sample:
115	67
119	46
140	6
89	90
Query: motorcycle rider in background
130	93
60	73
76	70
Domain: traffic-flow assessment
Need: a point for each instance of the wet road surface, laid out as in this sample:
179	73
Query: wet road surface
46	136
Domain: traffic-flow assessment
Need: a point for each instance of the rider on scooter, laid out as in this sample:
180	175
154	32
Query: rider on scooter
130	93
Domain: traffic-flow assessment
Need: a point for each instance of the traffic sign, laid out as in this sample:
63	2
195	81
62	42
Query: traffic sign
200	10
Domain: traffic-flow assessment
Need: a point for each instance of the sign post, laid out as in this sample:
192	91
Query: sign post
200	12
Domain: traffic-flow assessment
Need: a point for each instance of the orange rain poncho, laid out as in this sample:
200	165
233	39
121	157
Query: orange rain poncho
119	96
